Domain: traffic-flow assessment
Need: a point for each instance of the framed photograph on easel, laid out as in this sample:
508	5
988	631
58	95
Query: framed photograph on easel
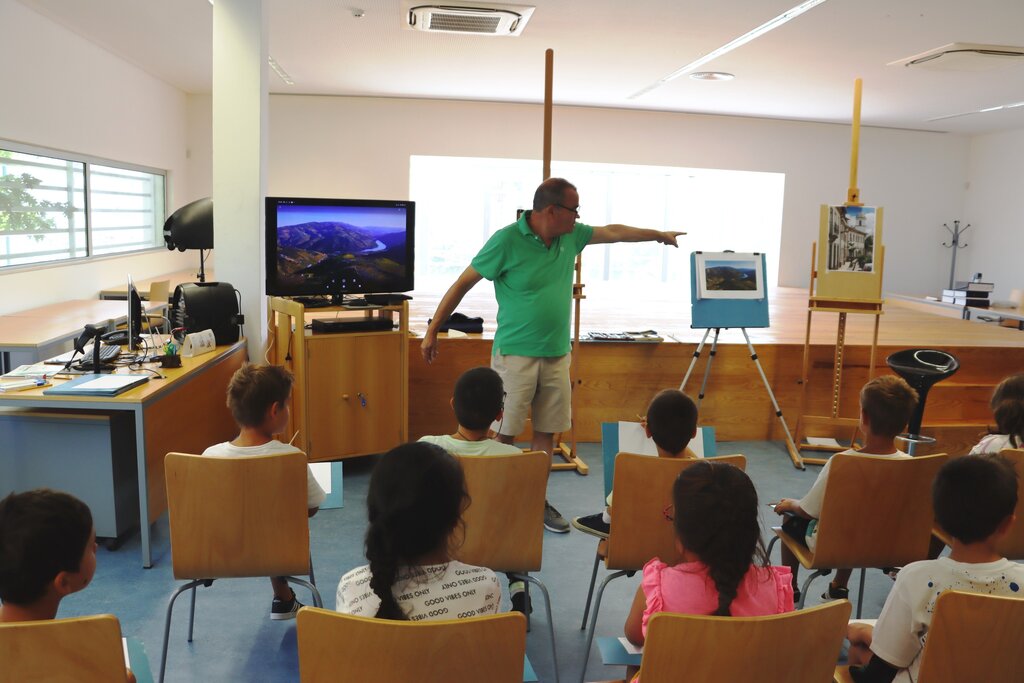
849	263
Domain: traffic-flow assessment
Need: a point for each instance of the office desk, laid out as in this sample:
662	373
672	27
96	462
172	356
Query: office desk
31	335
177	278
184	412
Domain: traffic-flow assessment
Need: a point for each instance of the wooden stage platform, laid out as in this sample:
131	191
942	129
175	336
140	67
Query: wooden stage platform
616	380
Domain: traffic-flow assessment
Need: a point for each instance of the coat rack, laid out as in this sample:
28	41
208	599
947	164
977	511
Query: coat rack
955	245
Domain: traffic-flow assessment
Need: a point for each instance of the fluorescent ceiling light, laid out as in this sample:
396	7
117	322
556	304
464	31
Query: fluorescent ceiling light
1000	107
769	25
279	71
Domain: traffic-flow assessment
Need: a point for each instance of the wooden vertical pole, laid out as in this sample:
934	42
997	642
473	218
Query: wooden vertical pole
549	68
853	192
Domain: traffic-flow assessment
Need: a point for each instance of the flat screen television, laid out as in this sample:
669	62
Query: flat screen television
333	247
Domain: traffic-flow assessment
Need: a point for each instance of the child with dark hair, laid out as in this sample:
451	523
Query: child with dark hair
1008	410
47	551
724	569
974	500
671	423
886	404
478	401
415	502
258	397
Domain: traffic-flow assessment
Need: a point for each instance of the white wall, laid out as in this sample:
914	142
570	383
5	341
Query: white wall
63	92
360	147
995	241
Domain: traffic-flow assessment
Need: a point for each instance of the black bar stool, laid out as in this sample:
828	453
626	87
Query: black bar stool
921	368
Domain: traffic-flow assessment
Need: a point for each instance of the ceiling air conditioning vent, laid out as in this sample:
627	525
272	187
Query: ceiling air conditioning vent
965	57
477	19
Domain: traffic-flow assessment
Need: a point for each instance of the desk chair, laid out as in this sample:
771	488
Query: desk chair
342	647
78	650
639	530
504	523
235	517
972	637
877	512
1012	545
158	292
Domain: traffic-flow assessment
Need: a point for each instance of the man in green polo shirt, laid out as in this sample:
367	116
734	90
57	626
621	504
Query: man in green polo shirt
531	263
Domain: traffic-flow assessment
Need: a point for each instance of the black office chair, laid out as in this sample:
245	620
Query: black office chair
921	368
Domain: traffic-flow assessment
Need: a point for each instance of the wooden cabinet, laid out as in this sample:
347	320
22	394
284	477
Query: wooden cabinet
351	388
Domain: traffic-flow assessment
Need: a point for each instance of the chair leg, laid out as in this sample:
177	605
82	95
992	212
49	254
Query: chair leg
312	579
167	624
529	606
771	544
547	608
807	585
192	614
317	600
860	593
590	591
593	621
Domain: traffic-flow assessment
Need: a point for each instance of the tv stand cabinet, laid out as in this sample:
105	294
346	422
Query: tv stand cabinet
350	396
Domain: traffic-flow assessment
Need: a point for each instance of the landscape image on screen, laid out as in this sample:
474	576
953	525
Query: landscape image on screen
730	276
341	248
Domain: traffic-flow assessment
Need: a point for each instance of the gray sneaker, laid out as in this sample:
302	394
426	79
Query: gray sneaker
553	520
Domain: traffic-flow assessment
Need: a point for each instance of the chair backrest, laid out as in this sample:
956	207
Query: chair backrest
504	523
643	489
795	647
159	291
973	637
237	516
1012	545
341	647
877	512
78	650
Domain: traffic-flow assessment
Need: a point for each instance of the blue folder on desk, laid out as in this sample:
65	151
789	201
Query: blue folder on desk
96	385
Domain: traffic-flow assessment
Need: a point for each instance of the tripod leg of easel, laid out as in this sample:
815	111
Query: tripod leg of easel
707	368
693	361
794	454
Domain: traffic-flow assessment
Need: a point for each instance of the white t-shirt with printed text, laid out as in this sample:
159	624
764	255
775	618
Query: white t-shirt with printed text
437	591
314	494
462	447
902	627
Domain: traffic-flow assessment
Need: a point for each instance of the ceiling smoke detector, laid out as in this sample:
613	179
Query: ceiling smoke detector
965	57
476	19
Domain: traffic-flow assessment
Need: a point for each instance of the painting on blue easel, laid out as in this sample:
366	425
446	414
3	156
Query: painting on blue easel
728	289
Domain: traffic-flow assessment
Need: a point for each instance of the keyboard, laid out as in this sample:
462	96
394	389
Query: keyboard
108	352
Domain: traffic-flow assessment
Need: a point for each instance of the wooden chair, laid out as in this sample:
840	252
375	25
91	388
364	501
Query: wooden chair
342	647
877	512
972	637
504	523
78	650
1012	545
158	293
235	517
639	529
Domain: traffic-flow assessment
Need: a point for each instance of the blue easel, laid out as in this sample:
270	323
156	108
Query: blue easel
718	313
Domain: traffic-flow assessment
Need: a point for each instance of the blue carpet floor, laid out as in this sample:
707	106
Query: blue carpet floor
236	641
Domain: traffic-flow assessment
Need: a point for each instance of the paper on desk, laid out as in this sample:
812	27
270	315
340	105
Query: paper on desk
108	382
823	441
34	370
630	648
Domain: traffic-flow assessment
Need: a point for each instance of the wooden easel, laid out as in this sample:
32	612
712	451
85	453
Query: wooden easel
571	459
842	306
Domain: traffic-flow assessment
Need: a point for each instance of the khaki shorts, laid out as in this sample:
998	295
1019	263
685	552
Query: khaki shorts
540	384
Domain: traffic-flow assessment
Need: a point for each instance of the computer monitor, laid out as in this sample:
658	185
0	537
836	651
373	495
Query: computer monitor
332	247
135	315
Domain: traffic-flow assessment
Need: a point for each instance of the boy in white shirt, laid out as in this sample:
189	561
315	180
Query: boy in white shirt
258	396
478	401
974	500
886	404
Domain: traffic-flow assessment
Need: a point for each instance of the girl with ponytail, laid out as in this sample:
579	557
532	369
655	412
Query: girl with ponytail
1008	410
415	501
724	568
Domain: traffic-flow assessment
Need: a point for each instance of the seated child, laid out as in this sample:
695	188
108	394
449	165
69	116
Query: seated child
1008	410
724	569
478	401
258	398
886	404
671	422
47	551
974	500
415	501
